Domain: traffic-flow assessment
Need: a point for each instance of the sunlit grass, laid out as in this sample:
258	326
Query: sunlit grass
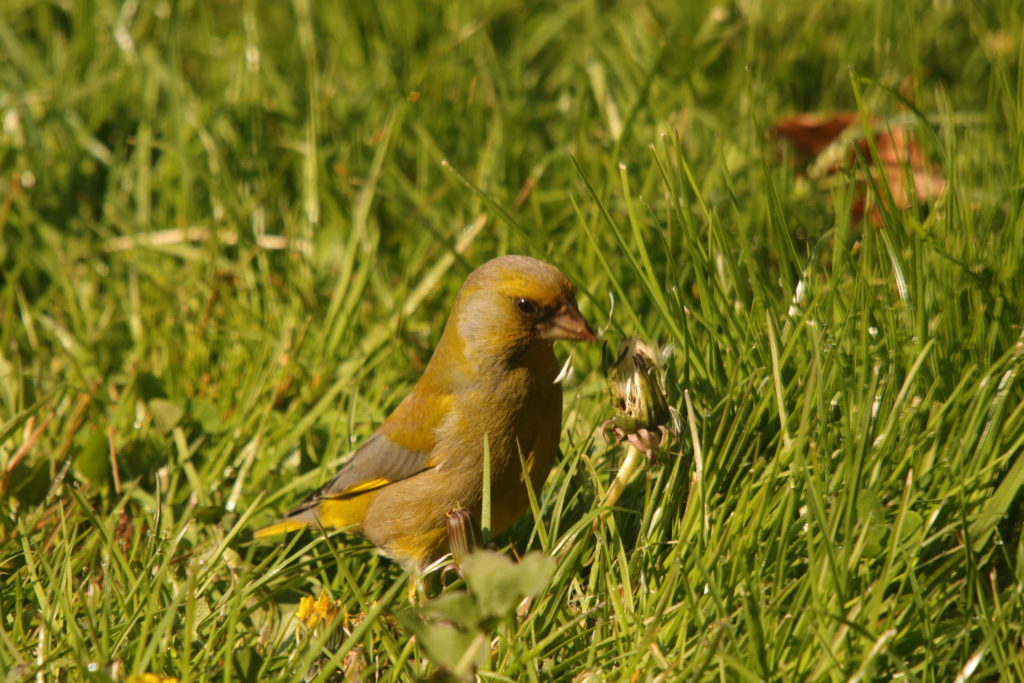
229	237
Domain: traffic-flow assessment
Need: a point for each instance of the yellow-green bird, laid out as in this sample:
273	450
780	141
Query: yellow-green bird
491	379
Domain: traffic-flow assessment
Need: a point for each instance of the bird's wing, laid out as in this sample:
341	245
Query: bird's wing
378	462
400	449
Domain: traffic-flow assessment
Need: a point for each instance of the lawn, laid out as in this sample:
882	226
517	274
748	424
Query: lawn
230	233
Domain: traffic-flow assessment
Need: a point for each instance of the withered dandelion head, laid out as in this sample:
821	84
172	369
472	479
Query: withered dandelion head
637	383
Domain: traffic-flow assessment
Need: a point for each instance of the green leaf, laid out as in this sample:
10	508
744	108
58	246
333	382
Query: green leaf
871	513
499	584
913	522
457	607
205	414
92	464
166	414
446	644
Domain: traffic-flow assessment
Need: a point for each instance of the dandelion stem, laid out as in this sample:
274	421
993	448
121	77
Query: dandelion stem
634	458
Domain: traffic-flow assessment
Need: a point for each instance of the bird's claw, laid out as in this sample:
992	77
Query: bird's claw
644	440
613	433
648	442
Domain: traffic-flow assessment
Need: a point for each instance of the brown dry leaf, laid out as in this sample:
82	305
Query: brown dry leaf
897	149
810	134
824	142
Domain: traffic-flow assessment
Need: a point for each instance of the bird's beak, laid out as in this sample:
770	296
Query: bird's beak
570	325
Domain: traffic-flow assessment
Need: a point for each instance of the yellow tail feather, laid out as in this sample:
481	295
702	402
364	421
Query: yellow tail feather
345	512
280	528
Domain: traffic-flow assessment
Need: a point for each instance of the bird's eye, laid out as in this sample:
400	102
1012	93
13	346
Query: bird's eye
526	306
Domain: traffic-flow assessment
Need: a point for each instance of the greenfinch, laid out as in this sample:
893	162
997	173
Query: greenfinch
490	386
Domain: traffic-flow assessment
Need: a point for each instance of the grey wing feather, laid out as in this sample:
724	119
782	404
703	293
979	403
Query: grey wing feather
378	458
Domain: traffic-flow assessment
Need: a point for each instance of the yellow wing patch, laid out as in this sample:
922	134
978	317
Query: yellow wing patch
342	513
362	487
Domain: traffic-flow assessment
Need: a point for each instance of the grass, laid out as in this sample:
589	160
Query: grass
229	236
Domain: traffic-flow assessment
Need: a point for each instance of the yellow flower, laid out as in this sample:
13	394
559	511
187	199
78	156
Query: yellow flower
151	678
312	612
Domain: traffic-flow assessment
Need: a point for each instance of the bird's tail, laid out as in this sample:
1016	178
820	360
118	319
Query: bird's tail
293	522
341	512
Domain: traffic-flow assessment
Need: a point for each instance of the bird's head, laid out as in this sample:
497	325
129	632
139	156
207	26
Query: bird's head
513	305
